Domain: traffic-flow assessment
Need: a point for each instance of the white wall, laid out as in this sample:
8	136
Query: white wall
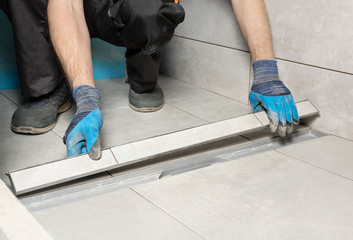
313	42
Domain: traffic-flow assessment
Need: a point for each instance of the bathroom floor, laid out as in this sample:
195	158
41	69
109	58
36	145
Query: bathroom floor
185	108
259	187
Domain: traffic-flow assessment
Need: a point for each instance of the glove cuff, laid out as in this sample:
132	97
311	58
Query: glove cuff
265	71
87	98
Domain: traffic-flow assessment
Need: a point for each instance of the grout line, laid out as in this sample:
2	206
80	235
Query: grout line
279	58
9	99
167	213
207	121
214	44
303	161
259	119
114	156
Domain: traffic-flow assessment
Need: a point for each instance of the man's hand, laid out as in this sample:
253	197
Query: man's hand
269	93
82	135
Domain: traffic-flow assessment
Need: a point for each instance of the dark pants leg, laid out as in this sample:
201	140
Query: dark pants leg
38	68
142	69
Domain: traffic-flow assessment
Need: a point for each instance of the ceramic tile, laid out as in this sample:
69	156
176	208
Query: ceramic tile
63	121
152	147
122	126
174	89
204	18
113	94
302	33
331	153
330	92
221	70
263	196
213	108
15	221
22	151
7	108
46	175
117	214
14	95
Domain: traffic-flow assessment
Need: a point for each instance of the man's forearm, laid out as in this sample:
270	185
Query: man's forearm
253	21
71	40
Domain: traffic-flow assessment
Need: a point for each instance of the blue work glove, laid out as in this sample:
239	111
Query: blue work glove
82	135
269	93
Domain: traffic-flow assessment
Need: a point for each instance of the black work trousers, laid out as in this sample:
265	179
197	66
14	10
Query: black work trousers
38	67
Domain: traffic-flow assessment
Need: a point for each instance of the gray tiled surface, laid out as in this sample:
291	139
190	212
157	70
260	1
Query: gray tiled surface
331	153
263	196
125	125
22	151
7	108
221	70
213	108
331	92
15	221
121	124
113	215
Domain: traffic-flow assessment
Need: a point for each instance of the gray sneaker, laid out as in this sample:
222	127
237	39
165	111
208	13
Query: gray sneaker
146	102
38	115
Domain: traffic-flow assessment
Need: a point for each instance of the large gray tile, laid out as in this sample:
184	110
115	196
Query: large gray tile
63	120
126	125
313	32
14	95
330	92
113	94
331	153
45	175
211	21
174	89
213	107
221	70
15	221
263	196
22	151
7	108
113	215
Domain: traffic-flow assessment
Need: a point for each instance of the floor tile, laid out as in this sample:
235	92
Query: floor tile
221	70
263	196
120	214
7	108
113	94
332	153
46	175
15	221
126	125
22	151
174	89
14	95
213	108
63	121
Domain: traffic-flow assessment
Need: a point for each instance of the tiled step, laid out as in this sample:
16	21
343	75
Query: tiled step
38	177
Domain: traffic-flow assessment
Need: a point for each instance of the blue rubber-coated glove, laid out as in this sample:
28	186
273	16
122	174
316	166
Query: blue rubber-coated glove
269	93
82	135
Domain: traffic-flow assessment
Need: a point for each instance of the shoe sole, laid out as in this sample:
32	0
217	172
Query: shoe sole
146	109
35	131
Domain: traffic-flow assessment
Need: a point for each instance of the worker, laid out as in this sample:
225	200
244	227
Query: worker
42	82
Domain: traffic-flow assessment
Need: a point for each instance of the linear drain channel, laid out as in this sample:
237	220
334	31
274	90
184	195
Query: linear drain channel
156	171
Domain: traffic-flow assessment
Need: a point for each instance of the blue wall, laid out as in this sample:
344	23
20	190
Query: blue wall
108	60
